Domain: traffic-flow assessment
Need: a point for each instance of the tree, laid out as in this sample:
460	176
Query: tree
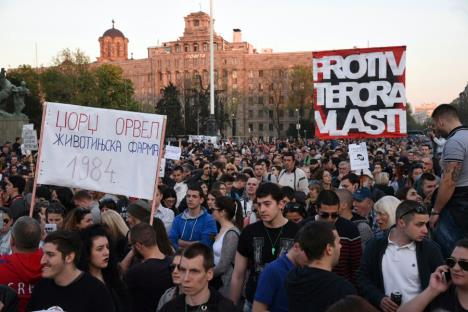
301	97
276	81
411	123
171	106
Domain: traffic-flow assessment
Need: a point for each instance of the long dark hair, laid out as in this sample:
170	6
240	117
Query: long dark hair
232	208
162	239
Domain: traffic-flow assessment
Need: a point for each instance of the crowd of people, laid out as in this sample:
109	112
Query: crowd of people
252	226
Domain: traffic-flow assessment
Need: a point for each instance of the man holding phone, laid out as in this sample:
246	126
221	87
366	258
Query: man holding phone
448	286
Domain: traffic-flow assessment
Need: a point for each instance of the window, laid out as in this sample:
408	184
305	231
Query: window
250	127
260	113
215	46
169	77
270	114
205	47
250	115
281	127
270	127
186	48
234	74
260	73
195	47
260	100
196	23
250	73
260	127
260	87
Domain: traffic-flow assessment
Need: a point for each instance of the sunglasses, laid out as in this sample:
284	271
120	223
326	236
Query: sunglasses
326	215
172	267
418	209
451	262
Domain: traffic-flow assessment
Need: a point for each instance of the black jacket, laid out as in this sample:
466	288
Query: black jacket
216	303
370	278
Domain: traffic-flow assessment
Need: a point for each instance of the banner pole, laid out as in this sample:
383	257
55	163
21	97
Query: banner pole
38	161
158	169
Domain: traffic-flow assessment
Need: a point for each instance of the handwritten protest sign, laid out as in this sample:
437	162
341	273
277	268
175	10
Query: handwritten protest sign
360	93
203	139
359	159
99	149
29	136
172	152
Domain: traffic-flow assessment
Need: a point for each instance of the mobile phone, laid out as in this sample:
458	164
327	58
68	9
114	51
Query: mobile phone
447	276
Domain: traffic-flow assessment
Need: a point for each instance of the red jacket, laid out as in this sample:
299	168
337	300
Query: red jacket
21	271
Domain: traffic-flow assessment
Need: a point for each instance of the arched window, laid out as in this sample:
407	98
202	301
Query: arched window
195	47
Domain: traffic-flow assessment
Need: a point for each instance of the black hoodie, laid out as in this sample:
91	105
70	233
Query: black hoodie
312	289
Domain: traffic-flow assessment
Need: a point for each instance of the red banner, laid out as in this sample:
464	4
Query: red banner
360	93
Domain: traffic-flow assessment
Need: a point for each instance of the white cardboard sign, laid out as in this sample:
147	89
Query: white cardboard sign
29	136
98	149
358	156
172	152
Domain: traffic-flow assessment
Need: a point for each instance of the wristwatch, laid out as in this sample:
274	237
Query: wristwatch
434	212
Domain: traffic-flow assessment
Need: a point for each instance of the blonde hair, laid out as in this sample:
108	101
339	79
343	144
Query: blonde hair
114	223
382	178
388	205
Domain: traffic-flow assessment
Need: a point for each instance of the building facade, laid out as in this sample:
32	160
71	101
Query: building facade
254	83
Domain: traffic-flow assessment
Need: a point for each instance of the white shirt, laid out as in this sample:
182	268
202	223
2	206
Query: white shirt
400	271
166	215
181	190
296	179
247	212
217	247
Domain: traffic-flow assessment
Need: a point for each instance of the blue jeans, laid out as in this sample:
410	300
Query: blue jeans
453	222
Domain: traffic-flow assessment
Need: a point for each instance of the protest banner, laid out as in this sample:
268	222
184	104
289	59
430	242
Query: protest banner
103	150
172	152
360	93
29	136
359	159
203	139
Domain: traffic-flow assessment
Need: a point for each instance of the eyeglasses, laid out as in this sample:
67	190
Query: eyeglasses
417	209
326	215
451	262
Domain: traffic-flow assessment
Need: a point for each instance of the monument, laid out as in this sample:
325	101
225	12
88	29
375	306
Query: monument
11	120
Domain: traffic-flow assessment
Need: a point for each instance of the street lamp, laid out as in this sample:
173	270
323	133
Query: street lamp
298	124
211	120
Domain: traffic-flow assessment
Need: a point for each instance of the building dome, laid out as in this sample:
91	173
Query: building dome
113	32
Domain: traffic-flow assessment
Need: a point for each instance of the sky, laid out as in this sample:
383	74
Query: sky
434	31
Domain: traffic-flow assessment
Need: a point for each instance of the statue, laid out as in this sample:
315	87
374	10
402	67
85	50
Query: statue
19	93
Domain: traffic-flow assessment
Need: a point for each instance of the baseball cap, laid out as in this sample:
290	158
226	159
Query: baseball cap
362	193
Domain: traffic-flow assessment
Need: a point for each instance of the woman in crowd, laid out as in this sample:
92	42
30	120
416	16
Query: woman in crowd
162	239
408	193
229	215
311	201
117	229
327	180
78	219
294	212
107	204
220	187
173	292
385	209
98	259
169	199
211	200
204	187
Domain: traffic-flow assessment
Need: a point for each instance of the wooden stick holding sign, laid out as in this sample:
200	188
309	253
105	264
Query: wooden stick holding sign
156	190
38	161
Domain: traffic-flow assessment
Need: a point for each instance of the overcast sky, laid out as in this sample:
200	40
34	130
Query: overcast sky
434	31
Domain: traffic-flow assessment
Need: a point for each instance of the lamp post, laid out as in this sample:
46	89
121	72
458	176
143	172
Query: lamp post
211	120
298	125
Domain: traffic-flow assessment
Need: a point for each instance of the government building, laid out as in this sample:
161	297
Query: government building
254	84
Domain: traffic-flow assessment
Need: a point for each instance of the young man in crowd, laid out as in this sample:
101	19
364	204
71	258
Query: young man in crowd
83	199
196	270
346	212
194	224
314	287
350	182
261	242
400	261
22	269
448	286
180	186
148	280
271	294
63	284
328	205
449	215
14	189
292	176
247	201
364	207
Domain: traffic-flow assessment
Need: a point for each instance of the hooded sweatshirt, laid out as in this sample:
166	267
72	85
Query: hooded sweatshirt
313	289
201	227
21	271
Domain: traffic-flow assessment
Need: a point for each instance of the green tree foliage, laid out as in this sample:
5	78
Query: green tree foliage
411	123
301	97
171	106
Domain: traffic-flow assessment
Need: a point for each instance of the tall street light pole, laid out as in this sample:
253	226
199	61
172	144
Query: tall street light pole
211	119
